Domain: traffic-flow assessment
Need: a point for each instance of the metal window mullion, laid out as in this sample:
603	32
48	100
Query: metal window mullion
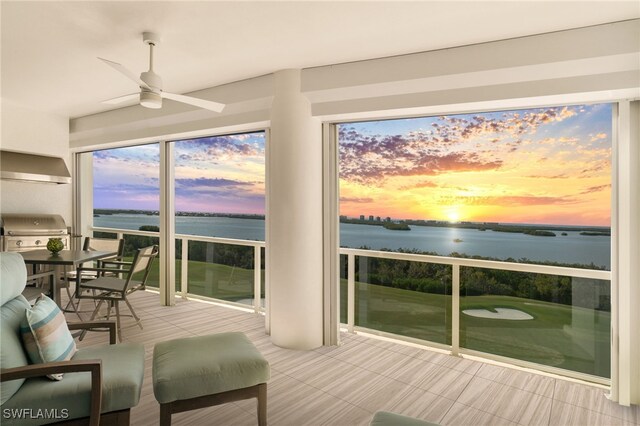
167	225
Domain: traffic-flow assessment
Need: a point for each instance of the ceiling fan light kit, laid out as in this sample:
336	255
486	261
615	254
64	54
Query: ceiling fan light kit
150	83
150	100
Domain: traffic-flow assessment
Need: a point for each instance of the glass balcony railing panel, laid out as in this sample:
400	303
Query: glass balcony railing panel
221	271
343	301
100	234
402	297
552	320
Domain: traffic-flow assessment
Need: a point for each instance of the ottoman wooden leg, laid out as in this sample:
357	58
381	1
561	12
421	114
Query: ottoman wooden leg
262	404
165	414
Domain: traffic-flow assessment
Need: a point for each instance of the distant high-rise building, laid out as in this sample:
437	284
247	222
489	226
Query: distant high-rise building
361	217
378	218
388	219
370	218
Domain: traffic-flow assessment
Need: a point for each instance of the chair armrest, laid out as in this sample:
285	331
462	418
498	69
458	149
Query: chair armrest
72	366
115	262
96	326
40	275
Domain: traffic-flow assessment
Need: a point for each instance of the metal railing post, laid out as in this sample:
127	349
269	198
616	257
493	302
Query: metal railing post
257	278
351	286
455	310
184	268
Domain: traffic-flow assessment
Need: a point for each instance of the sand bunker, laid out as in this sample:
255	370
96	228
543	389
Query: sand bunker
501	313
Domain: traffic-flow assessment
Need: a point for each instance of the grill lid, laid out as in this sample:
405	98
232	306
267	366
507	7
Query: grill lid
23	224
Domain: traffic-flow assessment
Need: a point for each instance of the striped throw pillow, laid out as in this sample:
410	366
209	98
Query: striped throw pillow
45	334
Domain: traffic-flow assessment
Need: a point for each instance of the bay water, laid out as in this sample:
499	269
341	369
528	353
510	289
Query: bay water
572	248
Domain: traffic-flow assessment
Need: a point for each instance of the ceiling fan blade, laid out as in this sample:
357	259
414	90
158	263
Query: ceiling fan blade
201	103
121	99
131	76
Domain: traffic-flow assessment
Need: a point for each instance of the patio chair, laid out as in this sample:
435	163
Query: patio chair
98	244
113	289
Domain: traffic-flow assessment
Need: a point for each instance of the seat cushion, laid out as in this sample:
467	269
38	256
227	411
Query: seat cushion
122	373
206	365
384	418
12	353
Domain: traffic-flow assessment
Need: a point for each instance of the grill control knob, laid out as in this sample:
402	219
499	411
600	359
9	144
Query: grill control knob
38	242
19	243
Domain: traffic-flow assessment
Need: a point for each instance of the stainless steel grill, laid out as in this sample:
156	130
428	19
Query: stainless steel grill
22	232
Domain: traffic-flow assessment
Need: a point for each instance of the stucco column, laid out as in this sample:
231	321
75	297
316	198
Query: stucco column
294	222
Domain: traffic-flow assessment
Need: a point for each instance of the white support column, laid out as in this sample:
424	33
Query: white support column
167	226
625	375
294	209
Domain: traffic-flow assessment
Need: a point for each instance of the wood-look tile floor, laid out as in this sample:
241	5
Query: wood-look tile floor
345	385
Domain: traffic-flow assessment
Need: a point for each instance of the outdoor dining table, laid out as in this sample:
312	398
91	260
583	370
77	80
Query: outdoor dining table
60	261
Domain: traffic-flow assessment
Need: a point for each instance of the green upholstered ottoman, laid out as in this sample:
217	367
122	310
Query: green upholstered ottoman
384	418
197	372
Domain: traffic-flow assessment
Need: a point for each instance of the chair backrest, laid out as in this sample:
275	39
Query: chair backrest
104	244
142	262
13	277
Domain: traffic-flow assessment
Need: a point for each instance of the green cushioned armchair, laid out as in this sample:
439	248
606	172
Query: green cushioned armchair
100	385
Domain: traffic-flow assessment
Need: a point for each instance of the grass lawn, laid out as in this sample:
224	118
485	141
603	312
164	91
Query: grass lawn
212	280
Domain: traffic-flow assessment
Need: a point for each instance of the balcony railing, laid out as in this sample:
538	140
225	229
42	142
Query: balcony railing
550	318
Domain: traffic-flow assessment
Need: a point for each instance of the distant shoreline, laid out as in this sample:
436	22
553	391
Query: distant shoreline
529	229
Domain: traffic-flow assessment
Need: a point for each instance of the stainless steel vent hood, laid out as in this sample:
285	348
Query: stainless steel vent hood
33	168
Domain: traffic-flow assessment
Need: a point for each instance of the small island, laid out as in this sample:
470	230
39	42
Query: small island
457	240
564	234
596	233
539	233
396	226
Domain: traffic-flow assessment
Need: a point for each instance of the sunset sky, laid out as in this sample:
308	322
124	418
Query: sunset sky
548	165
223	174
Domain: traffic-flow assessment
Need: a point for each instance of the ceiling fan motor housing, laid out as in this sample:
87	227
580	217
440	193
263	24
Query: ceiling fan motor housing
153	80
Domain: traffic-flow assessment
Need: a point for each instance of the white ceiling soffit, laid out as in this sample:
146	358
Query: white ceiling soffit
49	49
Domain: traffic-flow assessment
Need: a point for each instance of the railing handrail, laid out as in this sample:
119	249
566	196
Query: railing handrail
487	264
126	231
220	240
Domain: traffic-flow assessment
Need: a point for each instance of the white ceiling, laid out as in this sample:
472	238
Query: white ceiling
49	49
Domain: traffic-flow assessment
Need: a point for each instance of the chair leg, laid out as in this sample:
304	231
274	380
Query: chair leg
165	414
76	308
262	404
93	316
118	326
138	321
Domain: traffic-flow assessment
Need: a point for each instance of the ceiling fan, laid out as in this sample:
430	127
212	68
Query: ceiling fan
150	83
